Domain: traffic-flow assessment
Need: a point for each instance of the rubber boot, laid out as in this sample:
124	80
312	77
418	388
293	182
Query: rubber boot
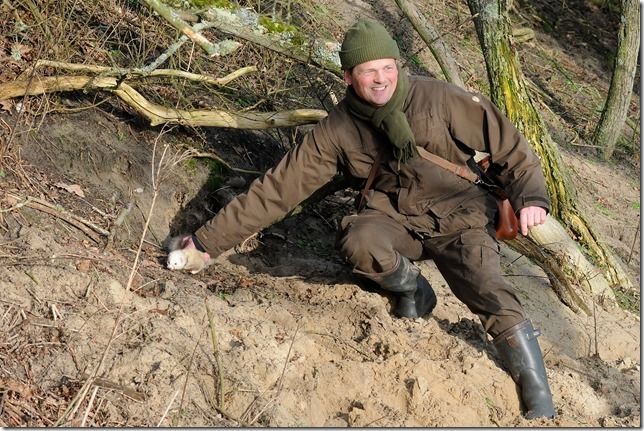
520	351
415	296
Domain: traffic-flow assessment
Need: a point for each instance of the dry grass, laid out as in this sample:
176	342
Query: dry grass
121	33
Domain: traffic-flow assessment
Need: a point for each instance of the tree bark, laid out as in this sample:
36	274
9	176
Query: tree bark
158	114
618	100
243	24
433	40
177	22
509	92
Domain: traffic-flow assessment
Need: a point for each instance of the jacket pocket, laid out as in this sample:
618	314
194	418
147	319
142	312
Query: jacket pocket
479	249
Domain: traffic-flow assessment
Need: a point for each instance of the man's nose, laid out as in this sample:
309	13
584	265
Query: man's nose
379	76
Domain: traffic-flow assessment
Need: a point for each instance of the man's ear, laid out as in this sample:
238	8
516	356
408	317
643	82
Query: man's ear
347	77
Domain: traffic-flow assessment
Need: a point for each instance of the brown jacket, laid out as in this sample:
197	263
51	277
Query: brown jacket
445	119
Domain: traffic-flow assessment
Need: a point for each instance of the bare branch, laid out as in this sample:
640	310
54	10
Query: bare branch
158	114
433	40
177	22
115	71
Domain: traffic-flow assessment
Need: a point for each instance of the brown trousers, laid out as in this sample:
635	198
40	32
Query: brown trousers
468	260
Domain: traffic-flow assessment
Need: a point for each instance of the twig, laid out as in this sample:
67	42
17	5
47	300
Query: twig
213	156
317	213
288	354
167	409
171	17
280	380
595	326
80	223
639	220
433	40
156	184
374	421
123	72
174	47
118	222
89	406
82	393
54	312
185	383
219	390
584	145
107	384
17	205
366	355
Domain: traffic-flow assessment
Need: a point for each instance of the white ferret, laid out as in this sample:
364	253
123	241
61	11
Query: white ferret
191	259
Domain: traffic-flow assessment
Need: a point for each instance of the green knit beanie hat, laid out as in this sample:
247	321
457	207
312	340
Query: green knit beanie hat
365	41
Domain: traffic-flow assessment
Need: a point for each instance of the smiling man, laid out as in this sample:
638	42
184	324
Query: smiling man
413	209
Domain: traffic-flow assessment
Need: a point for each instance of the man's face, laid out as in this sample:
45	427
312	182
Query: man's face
374	81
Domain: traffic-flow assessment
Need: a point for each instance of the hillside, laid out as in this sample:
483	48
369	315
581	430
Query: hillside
293	338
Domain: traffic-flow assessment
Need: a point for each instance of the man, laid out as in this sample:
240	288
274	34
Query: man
414	209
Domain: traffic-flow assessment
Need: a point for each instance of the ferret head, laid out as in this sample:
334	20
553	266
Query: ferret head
177	260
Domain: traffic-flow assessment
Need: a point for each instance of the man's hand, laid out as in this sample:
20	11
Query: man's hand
186	242
530	217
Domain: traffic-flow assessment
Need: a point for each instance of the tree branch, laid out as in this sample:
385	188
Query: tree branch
175	20
117	71
158	114
433	40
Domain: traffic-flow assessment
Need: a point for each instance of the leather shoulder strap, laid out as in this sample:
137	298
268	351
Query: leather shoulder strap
465	172
461	171
375	168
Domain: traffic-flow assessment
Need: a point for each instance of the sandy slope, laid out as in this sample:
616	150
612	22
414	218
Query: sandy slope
301	343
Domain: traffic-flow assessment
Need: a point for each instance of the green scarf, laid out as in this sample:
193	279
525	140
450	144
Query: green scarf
388	118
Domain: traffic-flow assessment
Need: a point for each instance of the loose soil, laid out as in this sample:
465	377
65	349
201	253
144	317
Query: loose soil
293	339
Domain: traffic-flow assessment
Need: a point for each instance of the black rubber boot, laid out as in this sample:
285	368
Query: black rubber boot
416	298
520	351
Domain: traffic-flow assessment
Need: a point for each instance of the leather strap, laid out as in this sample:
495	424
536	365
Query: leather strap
465	172
461	171
372	176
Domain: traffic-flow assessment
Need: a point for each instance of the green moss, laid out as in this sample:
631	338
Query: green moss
603	209
191	166
217	172
628	300
224	4
415	60
276	26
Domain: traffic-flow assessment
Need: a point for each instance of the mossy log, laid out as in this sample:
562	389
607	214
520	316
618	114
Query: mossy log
508	90
244	24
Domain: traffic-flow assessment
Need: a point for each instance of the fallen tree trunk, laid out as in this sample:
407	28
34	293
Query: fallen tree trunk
158	114
243	23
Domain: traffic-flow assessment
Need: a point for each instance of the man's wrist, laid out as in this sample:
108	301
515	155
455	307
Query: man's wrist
198	244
